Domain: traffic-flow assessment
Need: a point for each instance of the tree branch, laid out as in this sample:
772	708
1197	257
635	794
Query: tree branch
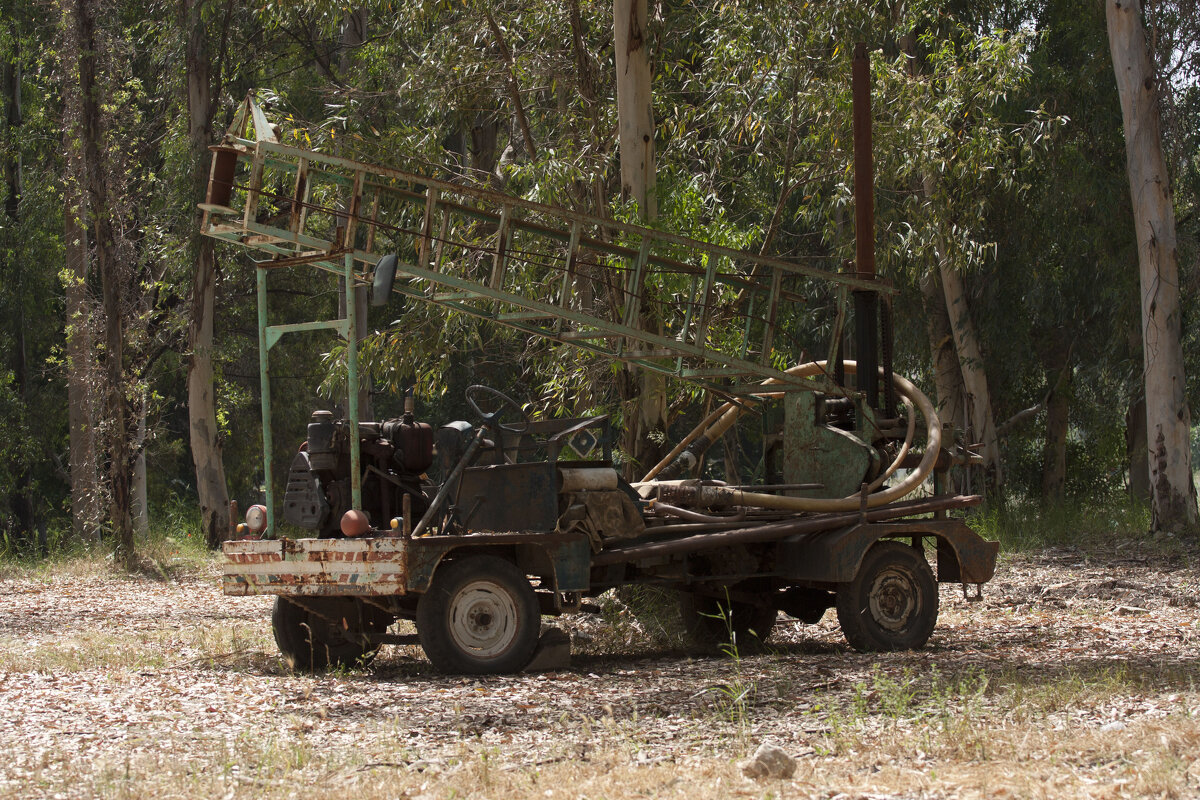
514	90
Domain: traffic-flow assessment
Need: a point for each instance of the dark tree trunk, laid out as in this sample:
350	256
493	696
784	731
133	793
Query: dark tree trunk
1054	451
112	278
1137	452
1055	355
86	513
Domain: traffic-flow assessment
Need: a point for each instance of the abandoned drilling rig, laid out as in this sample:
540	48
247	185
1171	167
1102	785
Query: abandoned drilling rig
529	517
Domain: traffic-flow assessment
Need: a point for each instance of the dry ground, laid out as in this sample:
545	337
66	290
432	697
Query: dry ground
1077	676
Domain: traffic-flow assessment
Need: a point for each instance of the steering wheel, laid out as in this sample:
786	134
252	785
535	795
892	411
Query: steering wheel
493	417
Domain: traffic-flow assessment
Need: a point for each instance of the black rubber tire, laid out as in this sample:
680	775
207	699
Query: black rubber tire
480	616
717	625
892	603
316	633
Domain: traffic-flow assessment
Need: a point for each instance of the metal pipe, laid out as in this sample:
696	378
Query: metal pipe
694	516
933	445
690	527
864	166
691	437
780	530
781	487
909	435
450	481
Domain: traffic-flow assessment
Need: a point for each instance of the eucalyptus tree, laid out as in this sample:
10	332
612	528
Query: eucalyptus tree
765	126
1173	491
207	30
91	75
1059	307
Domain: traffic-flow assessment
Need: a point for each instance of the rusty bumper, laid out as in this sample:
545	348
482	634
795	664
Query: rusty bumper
368	566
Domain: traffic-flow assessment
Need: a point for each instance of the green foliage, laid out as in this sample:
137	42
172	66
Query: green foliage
1021	526
997	150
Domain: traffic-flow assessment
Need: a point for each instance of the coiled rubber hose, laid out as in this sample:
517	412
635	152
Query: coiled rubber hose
727	414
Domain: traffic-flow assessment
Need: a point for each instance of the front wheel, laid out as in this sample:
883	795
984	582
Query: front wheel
479	616
892	603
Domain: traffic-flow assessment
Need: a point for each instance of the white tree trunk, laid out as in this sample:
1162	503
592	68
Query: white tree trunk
970	360
1168	421
947	375
204	432
981	423
635	124
635	111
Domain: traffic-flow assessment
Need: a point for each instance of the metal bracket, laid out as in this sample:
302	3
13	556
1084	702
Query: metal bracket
275	332
973	598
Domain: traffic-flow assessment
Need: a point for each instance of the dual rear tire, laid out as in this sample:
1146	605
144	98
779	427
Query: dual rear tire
316	633
891	604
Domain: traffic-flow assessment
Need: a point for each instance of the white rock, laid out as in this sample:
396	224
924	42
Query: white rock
769	761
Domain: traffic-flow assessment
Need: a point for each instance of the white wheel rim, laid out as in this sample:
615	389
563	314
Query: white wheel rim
894	599
483	619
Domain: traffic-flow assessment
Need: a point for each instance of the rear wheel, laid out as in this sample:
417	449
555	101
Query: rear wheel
315	633
480	615
892	603
733	627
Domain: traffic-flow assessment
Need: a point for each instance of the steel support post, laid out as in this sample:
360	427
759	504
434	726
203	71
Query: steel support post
352	383
264	373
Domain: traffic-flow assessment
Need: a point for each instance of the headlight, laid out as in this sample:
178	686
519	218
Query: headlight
256	519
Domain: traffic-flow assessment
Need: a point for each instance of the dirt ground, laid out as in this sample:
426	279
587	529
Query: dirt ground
1077	675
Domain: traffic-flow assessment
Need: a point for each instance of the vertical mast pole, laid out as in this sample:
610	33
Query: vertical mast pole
866	302
264	376
352	382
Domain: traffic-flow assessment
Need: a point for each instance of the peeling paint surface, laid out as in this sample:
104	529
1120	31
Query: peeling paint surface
373	566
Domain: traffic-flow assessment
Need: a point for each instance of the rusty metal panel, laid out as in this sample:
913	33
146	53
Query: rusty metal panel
365	566
509	498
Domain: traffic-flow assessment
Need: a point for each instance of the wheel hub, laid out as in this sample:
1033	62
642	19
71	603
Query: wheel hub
894	599
483	619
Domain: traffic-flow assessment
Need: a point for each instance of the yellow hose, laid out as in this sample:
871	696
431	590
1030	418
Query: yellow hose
691	437
905	388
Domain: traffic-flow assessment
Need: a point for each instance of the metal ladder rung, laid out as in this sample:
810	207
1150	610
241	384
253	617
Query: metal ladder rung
631	355
714	372
448	296
571	335
568	277
517	316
